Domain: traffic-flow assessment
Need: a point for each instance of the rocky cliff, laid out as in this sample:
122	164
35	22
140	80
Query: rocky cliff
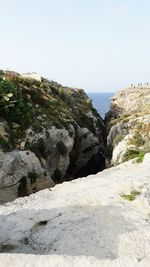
128	125
48	134
130	100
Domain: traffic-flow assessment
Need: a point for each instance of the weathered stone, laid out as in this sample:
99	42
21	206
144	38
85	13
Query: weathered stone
32	76
22	145
15	125
18	174
130	100
83	222
131	130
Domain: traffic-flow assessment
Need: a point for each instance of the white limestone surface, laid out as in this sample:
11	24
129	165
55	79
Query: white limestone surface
85	222
32	76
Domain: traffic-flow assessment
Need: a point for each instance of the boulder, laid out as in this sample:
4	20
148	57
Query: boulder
21	173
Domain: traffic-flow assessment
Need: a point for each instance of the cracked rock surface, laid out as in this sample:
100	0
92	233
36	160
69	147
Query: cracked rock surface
86	221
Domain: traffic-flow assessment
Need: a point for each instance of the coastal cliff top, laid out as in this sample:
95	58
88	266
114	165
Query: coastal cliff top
31	101
130	100
23	98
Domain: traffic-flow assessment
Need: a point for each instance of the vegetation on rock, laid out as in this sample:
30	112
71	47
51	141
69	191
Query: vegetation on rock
132	195
128	125
14	105
58	124
43	104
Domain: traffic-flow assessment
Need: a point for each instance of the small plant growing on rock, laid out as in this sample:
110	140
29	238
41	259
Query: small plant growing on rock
13	105
130	154
6	94
140	157
132	196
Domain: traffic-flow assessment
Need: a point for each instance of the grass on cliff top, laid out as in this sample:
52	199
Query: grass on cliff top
22	100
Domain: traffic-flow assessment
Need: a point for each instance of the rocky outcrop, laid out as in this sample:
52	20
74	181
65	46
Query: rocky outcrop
99	220
20	174
130	100
128	125
50	126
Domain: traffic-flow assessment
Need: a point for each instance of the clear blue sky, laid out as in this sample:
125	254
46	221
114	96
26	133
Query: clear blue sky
98	45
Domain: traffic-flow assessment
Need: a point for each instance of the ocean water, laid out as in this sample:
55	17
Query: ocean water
101	102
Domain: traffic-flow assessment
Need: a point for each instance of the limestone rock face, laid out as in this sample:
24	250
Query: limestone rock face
128	125
99	220
20	174
57	126
130	100
32	76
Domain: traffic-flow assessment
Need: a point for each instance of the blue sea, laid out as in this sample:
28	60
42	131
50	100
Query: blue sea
101	102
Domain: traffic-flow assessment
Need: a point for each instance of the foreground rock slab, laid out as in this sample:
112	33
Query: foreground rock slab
22	260
86	221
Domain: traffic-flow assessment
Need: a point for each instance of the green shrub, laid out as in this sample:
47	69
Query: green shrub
140	157
134	153
130	154
13	104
